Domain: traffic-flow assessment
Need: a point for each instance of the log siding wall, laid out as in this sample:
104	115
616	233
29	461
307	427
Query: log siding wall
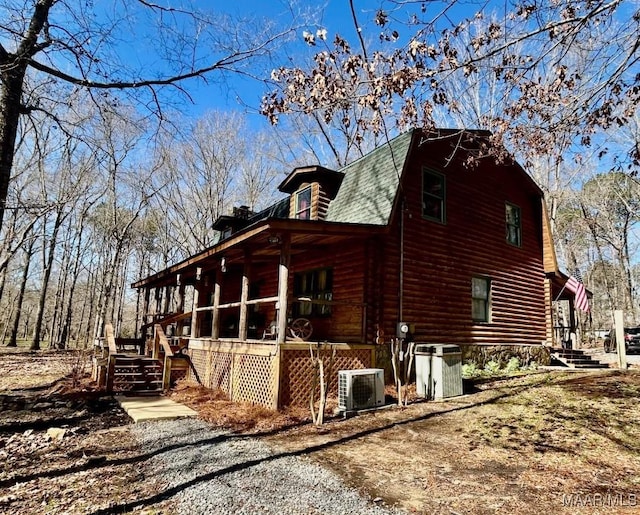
440	259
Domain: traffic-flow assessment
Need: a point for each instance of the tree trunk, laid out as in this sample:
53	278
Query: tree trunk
35	342
55	328
13	69
65	333
13	338
10	103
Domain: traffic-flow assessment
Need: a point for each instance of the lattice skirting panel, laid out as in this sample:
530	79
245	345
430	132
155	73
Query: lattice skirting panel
249	372
245	376
197	372
297	371
178	375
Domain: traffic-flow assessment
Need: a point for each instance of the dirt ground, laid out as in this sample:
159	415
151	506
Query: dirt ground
554	442
64	447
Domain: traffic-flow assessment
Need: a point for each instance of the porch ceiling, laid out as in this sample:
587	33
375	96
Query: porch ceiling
558	290
262	242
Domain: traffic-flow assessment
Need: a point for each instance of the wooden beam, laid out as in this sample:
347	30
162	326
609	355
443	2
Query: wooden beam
275	379
111	340
180	306
263	300
166	296
111	364
215	324
158	299
145	312
299	227
283	287
194	309
244	296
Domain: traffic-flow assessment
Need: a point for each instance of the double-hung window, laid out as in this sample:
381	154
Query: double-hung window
513	224
481	299
433	196
314	291
303	204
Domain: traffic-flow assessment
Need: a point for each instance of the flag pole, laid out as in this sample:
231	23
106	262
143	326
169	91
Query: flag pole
561	291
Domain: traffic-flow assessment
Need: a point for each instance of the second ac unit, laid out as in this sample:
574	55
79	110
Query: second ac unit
438	371
360	389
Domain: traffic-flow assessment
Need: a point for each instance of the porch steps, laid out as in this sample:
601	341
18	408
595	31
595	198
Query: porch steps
140	374
576	358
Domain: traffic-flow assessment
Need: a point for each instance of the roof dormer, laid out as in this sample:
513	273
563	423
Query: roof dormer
227	225
312	188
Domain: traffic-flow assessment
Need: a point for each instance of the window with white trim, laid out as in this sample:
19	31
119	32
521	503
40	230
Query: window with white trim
303	204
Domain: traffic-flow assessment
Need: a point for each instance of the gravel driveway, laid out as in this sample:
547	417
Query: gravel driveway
214	472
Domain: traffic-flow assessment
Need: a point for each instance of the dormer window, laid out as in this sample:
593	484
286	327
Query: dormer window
311	189
303	204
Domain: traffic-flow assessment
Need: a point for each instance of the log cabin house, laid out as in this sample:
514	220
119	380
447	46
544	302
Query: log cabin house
414	232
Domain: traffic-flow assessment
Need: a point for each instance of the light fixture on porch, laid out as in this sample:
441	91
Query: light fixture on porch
223	265
274	239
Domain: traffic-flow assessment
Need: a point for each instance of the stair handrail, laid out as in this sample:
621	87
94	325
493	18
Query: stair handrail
113	350
111	339
168	319
161	337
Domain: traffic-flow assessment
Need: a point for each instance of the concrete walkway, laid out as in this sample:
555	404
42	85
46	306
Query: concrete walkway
141	409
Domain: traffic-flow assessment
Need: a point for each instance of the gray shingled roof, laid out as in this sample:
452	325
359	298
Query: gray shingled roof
370	184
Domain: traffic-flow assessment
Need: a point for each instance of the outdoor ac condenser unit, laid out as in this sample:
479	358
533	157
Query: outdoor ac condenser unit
438	371
360	389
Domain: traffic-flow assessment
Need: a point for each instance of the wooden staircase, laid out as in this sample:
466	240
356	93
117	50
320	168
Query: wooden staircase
576	358
137	374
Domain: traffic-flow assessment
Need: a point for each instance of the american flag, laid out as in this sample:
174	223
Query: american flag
575	285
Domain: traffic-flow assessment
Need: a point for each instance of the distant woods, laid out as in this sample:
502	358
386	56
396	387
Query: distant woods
92	212
102	182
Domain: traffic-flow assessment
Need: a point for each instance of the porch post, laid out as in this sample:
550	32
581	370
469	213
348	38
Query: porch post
244	296
158	306
166	295
283	285
215	324
196	294
145	312
180	306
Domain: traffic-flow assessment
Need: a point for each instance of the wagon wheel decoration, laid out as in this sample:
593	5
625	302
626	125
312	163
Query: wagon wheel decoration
301	328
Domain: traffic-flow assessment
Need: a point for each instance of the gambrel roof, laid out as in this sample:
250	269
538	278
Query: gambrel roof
370	184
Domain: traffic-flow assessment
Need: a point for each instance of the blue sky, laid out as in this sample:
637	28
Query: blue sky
333	15
243	94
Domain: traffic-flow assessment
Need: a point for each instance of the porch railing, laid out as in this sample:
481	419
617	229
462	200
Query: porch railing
113	351
171	360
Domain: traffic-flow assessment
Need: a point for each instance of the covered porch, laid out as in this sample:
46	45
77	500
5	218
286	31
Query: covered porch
246	310
565	321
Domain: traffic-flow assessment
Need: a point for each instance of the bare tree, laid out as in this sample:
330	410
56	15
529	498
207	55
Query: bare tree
217	162
611	207
13	337
128	187
404	75
55	46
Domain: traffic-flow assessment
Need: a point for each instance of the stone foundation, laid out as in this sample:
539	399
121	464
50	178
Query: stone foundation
482	354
